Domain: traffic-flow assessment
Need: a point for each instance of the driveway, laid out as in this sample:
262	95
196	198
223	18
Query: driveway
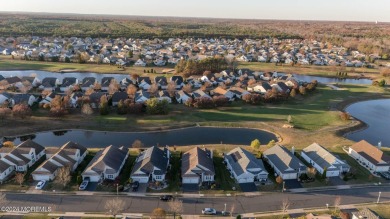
91	186
141	188
248	187
292	184
336	181
190	188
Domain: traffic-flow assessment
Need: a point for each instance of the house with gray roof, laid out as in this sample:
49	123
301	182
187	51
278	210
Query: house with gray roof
321	159
23	99
106	81
69	155
244	166
151	165
364	214
5	98
107	164
49	84
118	96
68	83
24	155
1	77
88	82
197	166
284	163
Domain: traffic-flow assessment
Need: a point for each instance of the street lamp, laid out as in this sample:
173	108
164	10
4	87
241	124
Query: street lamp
224	211
117	185
283	186
327	205
379	196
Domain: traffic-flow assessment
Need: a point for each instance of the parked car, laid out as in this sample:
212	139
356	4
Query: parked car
83	185
209	211
166	197
135	186
40	184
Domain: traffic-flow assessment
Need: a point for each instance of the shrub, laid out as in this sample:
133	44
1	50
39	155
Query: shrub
203	103
345	116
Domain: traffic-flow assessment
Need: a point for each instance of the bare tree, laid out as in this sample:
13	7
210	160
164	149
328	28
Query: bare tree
113	87
89	91
87	109
285	205
153	90
232	210
171	88
158	213
97	86
19	178
26	86
63	176
187	88
311	172
337	202
131	90
5	113
114	206
21	110
176	206
137	144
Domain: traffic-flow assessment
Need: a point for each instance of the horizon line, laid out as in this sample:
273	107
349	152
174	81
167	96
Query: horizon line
165	16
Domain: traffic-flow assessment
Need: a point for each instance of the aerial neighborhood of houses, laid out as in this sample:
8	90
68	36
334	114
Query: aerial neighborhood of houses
153	164
158	52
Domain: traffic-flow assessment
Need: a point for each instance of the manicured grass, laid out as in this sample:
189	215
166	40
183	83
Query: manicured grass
6	63
173	174
382	210
126	170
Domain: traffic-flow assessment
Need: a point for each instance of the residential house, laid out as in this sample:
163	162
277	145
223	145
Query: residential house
284	162
151	165
322	160
88	82
22	99
179	81
144	83
68	83
5	99
317	216
365	214
197	166
49	84
24	155
34	81
162	82
139	62
74	97
11	82
370	156
164	95
200	94
222	92
6	170
69	155
107	164
141	96
261	87
48	98
239	92
95	99
244	166
118	96
182	96
106	81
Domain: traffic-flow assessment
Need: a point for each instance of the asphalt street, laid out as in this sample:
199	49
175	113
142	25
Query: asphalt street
194	205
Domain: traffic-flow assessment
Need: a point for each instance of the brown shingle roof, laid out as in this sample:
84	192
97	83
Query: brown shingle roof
371	153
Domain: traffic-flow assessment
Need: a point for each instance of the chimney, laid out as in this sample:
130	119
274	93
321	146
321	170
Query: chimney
293	150
380	145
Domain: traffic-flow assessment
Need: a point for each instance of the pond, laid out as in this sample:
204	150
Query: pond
179	137
329	80
376	114
118	77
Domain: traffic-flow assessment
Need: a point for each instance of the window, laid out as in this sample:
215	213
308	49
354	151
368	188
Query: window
158	177
110	176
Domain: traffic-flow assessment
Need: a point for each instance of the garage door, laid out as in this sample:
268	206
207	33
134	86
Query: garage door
191	180
245	180
141	179
290	176
332	173
92	178
41	177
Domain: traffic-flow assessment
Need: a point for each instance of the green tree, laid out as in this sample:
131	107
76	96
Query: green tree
155	107
121	108
131	54
255	144
324	173
67	59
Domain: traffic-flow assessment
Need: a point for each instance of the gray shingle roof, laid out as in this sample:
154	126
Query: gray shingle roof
4	166
108	158
31	144
197	158
150	158
284	160
241	160
323	157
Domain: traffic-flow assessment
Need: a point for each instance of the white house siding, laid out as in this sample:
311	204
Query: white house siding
329	173
6	173
47	177
363	161
289	176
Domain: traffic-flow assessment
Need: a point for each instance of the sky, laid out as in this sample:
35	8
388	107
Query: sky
341	10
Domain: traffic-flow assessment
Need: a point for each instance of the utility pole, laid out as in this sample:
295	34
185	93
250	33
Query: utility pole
283	186
117	185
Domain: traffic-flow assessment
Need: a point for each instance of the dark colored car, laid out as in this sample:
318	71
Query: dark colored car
135	186
166	198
